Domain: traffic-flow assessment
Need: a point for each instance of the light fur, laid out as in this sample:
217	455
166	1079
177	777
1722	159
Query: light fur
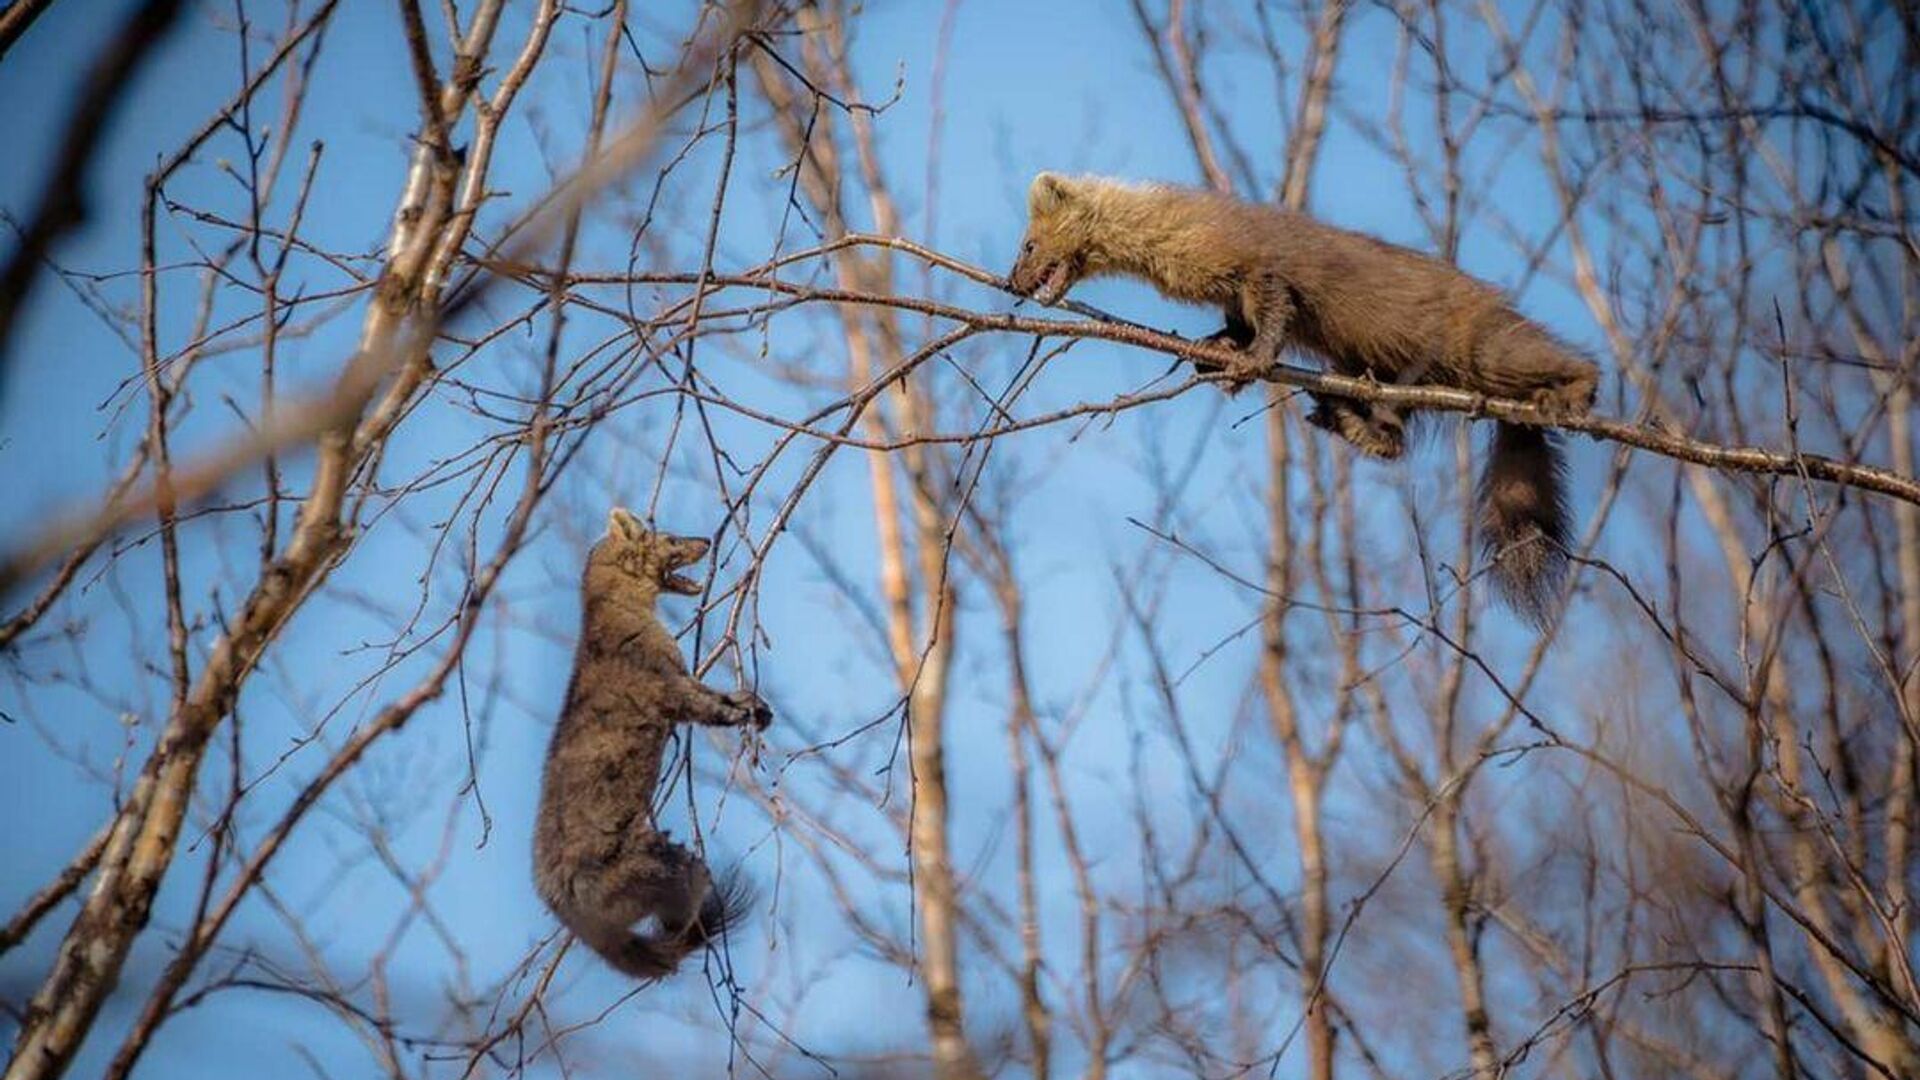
1365	307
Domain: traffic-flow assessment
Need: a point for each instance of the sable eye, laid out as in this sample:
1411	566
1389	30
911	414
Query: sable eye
1028	246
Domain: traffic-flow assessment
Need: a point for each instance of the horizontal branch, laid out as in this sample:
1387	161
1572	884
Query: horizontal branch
202	478
1100	326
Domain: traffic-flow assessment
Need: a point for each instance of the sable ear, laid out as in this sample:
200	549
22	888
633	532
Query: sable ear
623	524
1050	191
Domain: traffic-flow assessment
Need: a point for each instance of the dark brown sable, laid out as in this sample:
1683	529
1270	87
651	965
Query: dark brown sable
598	859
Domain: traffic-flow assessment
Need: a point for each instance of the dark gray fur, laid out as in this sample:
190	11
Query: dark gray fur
599	861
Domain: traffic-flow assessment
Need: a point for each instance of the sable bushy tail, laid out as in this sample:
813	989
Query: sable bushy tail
656	955
1523	518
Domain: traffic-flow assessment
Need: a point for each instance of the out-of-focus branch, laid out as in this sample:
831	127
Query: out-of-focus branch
58	889
299	423
1307	767
24	619
1182	76
62	204
295	424
400	324
146	830
921	601
15	20
1310	117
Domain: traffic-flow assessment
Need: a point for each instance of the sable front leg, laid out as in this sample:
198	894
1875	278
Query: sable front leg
1266	310
1236	334
1256	327
701	704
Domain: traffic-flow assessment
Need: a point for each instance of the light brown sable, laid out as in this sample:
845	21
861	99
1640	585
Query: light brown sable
1366	307
599	861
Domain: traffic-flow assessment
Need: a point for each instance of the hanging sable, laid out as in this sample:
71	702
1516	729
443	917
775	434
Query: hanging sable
1368	308
599	860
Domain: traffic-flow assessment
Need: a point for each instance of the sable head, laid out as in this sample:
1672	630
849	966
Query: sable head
649	558
1053	254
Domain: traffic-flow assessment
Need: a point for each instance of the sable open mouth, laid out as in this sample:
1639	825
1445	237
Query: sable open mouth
1054	285
690	550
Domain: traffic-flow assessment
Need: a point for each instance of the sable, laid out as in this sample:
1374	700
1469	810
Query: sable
598	860
1367	308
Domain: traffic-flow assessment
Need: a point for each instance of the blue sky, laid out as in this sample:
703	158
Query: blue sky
1064	86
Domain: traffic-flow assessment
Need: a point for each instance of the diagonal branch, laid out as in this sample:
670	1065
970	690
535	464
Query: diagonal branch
62	206
399	326
15	20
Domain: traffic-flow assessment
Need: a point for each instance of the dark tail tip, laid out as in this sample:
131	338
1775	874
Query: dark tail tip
1523	519
726	904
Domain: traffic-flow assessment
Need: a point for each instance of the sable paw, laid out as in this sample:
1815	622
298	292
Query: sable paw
1203	366
1246	373
1229	337
1245	369
752	710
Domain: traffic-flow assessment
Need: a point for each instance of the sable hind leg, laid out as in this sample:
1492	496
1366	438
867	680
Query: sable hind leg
1257	321
1372	428
1376	430
1527	364
1572	393
660	878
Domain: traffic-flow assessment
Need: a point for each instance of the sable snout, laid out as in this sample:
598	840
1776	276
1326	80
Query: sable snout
1020	279
1046	282
687	549
681	551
